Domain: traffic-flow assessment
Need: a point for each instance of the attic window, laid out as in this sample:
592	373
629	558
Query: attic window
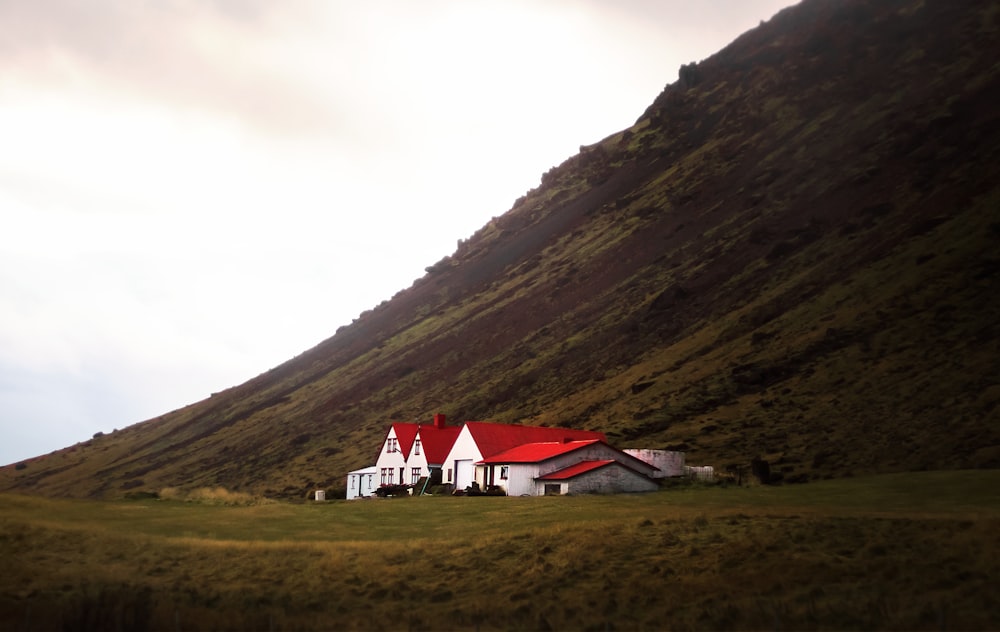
392	445
416	447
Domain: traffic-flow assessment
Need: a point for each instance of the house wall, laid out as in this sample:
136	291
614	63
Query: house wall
670	463
610	479
521	479
464	449
416	460
394	460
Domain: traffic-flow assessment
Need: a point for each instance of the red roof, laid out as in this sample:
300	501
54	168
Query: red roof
405	433
575	470
536	452
493	439
437	442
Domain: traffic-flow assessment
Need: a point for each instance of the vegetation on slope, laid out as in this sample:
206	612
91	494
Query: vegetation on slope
789	256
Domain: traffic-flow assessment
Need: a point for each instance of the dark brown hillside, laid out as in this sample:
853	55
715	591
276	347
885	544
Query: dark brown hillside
791	255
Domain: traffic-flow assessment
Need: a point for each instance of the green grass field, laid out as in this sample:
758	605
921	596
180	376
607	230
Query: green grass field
905	551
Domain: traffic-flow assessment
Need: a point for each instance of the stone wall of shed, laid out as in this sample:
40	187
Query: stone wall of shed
669	463
611	479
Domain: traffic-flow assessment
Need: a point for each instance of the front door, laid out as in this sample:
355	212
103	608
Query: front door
463	473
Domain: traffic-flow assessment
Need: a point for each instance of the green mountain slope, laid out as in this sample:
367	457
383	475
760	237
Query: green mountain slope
791	255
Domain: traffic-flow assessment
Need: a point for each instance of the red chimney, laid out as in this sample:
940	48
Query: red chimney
439	420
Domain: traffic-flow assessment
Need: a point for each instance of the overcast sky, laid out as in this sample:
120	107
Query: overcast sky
193	192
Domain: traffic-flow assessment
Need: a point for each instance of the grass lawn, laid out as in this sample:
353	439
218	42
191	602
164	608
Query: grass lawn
901	551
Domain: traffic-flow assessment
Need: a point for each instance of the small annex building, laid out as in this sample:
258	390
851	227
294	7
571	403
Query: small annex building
568	467
361	483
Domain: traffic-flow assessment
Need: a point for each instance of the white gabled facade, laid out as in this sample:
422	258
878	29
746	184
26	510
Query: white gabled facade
458	467
390	468
416	462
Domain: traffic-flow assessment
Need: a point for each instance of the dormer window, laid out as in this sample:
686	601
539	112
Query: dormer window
392	445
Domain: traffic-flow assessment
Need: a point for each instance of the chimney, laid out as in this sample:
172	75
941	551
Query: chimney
439	420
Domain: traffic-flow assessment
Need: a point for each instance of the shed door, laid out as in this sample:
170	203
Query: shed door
463	473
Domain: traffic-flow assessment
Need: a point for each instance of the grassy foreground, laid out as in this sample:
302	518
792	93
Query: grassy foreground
906	551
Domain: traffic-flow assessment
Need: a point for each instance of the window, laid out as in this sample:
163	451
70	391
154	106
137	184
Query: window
384	474
352	482
416	446
503	472
449	474
391	471
415	475
370	480
392	445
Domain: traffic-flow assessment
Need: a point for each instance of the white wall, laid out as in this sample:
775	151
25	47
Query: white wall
361	483
464	449
670	463
394	460
521	479
416	460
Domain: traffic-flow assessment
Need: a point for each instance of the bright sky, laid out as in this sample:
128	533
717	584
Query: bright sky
192	192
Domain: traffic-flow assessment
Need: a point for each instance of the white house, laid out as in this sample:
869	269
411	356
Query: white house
361	483
410	453
478	440
391	463
430	448
567	467
520	460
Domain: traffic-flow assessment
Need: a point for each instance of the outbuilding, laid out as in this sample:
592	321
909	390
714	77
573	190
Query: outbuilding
588	466
361	483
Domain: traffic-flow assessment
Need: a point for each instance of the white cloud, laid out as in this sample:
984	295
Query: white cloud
194	192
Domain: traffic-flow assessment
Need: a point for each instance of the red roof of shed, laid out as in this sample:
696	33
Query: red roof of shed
575	470
493	439
535	452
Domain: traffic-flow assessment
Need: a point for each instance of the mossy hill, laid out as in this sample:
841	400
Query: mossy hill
791	255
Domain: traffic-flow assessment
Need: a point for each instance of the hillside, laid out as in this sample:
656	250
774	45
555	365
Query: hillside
790	255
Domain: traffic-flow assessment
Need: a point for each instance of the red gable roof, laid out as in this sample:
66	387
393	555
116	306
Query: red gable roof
405	433
536	452
437	442
575	470
493	439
